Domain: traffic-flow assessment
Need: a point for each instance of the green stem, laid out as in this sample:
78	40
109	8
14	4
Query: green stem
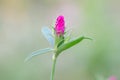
53	67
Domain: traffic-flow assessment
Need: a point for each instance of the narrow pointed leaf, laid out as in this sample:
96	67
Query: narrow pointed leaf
38	52
70	44
48	35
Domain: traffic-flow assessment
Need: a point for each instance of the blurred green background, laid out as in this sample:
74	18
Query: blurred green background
20	34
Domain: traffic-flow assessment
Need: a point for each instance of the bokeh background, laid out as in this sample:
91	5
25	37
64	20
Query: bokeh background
20	34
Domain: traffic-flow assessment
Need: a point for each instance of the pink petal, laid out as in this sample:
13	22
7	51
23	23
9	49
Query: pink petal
60	25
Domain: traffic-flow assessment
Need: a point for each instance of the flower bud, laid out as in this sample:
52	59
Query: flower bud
60	26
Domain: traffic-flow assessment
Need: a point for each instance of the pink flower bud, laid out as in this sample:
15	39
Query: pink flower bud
60	25
112	78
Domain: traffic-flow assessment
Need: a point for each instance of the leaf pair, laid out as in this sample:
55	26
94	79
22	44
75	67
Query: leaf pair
61	45
48	35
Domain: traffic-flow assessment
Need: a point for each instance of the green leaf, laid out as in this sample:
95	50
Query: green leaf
48	35
38	52
70	44
60	43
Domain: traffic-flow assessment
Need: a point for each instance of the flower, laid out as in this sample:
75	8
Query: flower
112	78
59	26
